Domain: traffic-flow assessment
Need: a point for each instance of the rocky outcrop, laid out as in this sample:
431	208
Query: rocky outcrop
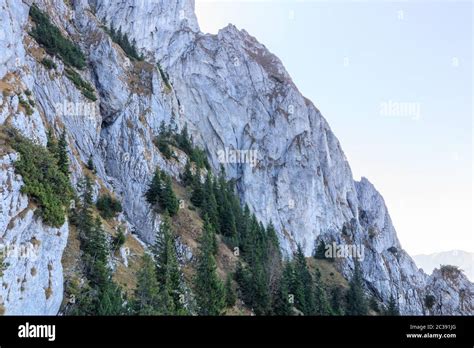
452	291
32	282
234	95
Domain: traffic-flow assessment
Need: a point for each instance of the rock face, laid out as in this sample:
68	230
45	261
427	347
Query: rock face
234	95
452	292
32	283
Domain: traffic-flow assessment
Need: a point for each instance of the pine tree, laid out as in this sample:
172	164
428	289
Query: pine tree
243	276
63	159
320	250
227	223
356	301
167	304
208	288
238	214
168	272
197	195
302	287
90	164
160	193
183	140
85	302
272	239
209	203
119	239
392	308
321	303
119	37
110	300
282	304
160	248
187	177
245	236
96	251
251	243
261	298
84	215
210	237
257	280
163	145
108	206
273	259
126	44
59	150
87	192
134	52
230	296
337	299
168	200
51	144
104	296
266	267
153	193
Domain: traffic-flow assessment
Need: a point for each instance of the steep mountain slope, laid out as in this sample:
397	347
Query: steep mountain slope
234	95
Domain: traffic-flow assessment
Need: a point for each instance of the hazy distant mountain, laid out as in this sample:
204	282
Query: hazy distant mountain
462	259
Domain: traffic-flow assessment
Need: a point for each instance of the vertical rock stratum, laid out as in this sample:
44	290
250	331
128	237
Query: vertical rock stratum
233	94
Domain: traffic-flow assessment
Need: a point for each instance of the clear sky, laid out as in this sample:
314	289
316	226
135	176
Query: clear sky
394	80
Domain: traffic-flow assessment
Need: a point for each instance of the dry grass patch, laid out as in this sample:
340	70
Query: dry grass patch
72	253
329	274
127	276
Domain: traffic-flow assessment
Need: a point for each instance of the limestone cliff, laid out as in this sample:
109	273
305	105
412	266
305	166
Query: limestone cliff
234	95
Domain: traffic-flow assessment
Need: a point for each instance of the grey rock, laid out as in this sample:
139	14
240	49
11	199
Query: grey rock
234	95
32	283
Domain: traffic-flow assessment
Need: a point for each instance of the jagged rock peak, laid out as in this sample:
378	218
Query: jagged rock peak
153	24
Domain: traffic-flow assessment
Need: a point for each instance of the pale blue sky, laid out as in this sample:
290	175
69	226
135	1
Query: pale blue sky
348	58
